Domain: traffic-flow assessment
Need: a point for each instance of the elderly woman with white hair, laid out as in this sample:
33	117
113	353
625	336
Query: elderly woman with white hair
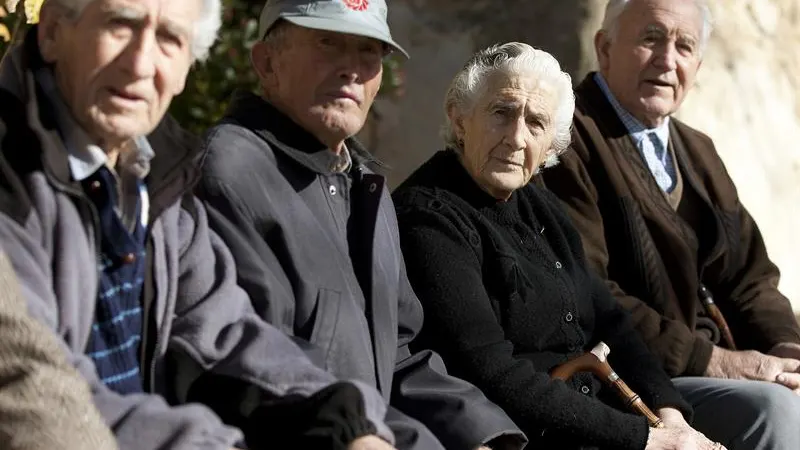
501	272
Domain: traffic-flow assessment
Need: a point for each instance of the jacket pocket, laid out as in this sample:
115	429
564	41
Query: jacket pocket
326	319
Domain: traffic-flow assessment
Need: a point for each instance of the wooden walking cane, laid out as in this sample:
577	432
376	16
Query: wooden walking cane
595	361
716	315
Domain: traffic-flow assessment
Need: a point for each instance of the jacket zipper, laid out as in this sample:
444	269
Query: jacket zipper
80	196
145	332
152	363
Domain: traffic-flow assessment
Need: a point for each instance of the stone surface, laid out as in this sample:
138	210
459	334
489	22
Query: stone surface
747	97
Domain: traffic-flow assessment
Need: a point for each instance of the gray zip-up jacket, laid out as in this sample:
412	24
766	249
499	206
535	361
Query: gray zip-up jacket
198	319
320	254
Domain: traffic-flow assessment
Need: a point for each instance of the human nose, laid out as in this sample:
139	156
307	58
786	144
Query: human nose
349	63
667	57
357	64
516	134
140	55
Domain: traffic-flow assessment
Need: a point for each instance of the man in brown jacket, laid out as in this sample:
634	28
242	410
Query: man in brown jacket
44	403
661	221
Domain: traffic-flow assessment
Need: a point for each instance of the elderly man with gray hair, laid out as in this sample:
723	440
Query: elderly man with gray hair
295	198
661	221
114	254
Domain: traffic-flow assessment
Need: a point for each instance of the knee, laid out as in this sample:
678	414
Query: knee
774	402
774	418
749	415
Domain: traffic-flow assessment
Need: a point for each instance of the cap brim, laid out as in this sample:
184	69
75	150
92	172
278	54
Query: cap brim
336	25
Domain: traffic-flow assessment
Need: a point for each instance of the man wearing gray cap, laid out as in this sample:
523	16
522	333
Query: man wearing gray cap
313	229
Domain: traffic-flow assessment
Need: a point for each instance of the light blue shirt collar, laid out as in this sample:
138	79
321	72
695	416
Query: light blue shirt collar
636	129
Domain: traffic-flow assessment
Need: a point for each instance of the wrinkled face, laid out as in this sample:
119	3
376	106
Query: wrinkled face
120	63
651	62
508	132
324	81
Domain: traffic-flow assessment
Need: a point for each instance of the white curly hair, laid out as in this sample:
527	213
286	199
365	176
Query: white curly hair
511	58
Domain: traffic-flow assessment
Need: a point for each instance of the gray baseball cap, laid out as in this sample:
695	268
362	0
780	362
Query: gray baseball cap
359	17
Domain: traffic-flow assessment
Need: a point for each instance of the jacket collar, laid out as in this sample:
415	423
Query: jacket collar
590	100
174	169
458	180
283	134
589	97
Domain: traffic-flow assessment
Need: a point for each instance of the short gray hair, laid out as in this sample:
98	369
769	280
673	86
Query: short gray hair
275	36
204	32
615	8
511	58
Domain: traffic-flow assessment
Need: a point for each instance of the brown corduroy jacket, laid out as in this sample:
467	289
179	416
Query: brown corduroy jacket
44	403
654	256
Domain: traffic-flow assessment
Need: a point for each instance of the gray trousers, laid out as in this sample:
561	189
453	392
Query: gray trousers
744	415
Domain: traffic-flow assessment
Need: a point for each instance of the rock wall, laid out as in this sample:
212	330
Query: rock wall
747	97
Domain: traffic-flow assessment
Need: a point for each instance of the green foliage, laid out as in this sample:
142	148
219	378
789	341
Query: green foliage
210	84
392	84
11	27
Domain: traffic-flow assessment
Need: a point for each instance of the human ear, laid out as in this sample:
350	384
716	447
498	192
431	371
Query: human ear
602	48
47	32
262	58
550	159
456	122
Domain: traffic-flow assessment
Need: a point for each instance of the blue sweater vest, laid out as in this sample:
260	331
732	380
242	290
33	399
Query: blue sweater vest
117	329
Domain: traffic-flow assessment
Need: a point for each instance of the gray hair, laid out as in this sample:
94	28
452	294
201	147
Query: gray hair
511	58
204	32
275	36
615	8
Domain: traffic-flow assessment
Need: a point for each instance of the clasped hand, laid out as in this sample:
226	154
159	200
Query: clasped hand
375	443
781	366
678	435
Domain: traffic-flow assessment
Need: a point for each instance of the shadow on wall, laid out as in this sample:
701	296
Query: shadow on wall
549	25
441	35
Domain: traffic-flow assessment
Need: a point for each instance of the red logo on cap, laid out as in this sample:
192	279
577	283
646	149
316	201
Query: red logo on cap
356	5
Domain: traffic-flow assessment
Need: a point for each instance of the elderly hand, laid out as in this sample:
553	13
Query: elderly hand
753	365
677	434
679	438
672	418
370	442
505	442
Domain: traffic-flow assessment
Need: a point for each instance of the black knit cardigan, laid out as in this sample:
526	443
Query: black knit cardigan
507	296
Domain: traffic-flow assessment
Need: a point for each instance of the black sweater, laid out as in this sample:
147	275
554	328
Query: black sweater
508	296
